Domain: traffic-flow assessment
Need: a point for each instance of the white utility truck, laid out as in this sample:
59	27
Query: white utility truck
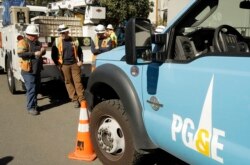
11	32
48	19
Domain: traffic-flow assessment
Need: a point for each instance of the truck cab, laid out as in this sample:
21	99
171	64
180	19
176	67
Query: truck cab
185	91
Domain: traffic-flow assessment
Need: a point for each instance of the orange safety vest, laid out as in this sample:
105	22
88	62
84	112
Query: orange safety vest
103	45
59	45
23	46
114	39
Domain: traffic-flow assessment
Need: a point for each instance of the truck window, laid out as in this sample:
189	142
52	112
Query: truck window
36	13
196	34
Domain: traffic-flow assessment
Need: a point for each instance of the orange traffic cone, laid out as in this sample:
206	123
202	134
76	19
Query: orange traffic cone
84	149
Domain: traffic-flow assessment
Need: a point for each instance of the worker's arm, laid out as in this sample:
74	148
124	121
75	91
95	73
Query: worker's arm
94	50
80	53
54	53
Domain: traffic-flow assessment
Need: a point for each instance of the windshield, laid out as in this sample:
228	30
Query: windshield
230	13
227	12
211	26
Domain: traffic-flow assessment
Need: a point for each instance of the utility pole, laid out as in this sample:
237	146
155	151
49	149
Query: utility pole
156	12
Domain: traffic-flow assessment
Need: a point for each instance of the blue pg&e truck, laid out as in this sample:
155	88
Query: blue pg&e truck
185	91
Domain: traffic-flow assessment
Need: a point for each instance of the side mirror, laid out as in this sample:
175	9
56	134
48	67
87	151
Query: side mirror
245	4
138	41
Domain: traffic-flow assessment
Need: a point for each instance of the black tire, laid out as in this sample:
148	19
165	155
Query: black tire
10	78
111	135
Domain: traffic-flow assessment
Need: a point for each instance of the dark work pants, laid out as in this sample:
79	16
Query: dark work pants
32	84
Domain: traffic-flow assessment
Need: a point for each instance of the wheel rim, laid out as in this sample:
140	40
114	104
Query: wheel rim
110	137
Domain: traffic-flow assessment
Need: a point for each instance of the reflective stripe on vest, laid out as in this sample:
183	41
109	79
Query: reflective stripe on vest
22	46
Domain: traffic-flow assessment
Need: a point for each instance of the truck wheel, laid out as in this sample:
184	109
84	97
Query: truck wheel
111	135
11	78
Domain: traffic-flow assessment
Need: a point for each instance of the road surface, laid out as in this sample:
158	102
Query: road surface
46	139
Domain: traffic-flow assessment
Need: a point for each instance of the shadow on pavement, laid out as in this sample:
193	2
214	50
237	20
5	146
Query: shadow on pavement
6	160
56	92
161	158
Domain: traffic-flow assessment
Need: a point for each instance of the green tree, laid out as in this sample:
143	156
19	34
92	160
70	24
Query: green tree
118	11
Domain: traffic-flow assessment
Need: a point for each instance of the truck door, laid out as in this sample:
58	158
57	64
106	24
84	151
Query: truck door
196	110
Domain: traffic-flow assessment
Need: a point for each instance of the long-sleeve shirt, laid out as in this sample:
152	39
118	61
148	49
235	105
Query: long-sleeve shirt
37	63
68	53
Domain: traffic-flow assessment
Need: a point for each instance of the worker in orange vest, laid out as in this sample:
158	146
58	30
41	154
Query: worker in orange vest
30	51
68	56
112	35
101	42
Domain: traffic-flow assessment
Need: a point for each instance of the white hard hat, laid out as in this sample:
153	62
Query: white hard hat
100	29
32	30
62	28
159	29
110	26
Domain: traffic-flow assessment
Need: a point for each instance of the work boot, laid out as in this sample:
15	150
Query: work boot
76	104
33	112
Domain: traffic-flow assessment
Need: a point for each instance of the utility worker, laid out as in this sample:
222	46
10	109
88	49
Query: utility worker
101	43
112	35
68	56
30	50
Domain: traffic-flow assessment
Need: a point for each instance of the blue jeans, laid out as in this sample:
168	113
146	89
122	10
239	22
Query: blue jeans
32	84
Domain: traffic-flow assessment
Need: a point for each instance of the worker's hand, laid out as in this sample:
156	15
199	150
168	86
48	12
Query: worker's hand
38	53
43	50
79	63
59	66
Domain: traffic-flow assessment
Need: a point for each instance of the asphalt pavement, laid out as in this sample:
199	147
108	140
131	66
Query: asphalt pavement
46	139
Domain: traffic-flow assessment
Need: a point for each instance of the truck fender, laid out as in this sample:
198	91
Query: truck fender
114	77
